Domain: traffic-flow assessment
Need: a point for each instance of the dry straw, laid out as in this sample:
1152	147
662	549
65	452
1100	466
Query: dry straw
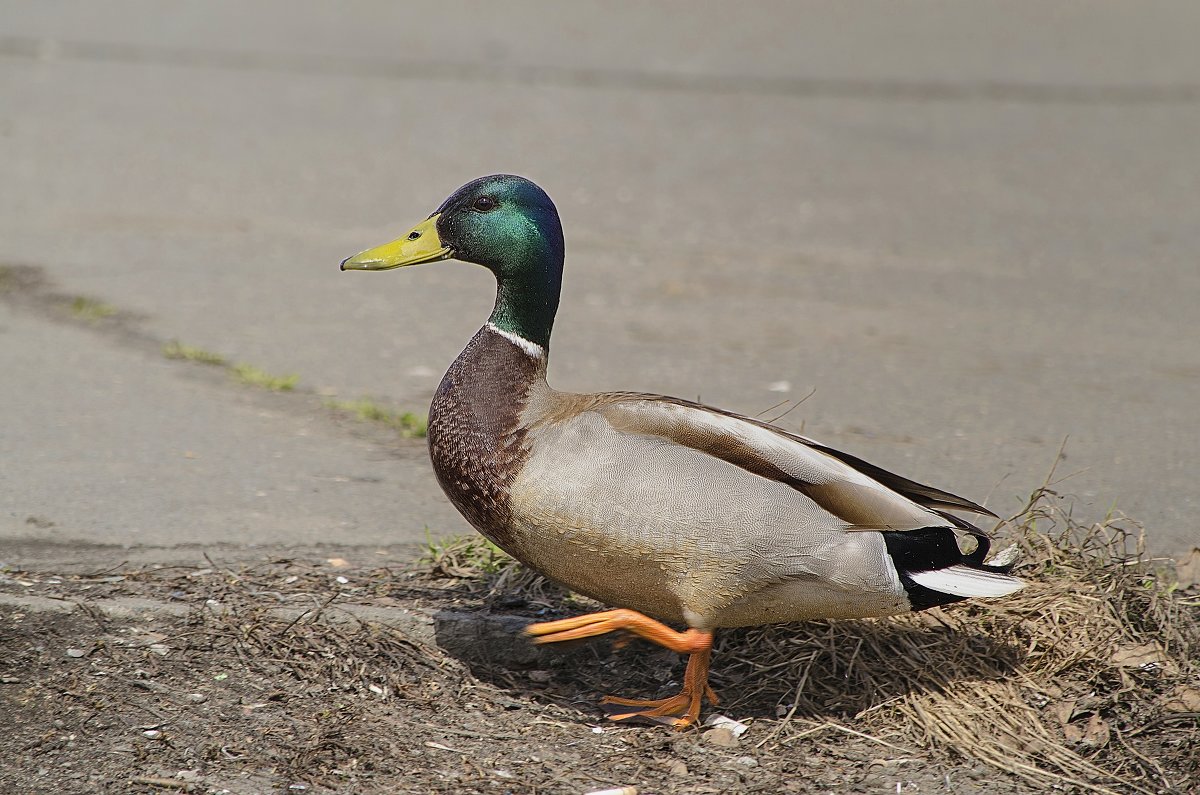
1054	684
1086	680
1074	681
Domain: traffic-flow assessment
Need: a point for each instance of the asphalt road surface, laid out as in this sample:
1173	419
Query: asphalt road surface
965	231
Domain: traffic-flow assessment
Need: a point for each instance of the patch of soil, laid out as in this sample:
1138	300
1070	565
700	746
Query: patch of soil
236	698
304	676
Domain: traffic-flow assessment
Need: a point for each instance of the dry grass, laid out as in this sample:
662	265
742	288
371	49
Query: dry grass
1051	684
1084	681
1074	681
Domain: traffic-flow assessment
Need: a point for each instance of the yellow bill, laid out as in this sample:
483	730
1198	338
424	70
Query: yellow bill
422	244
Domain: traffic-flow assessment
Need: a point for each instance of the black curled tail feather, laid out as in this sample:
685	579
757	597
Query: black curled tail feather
983	545
932	548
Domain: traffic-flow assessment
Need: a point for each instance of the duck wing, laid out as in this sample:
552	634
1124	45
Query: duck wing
864	496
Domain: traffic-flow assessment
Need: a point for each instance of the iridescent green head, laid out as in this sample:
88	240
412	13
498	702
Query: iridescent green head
505	223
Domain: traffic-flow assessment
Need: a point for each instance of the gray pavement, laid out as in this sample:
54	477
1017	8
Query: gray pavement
122	446
969	229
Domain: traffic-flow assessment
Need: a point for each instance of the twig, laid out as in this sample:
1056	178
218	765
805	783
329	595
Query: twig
166	783
865	736
469	733
795	704
102	572
316	613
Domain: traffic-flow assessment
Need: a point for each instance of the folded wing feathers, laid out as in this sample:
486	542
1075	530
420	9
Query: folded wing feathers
917	492
965	581
864	495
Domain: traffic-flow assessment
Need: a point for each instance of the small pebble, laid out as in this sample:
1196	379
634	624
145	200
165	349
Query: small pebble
152	734
721	737
722	722
677	768
76	653
197	698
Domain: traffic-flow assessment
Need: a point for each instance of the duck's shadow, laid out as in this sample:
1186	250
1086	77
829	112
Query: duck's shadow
816	669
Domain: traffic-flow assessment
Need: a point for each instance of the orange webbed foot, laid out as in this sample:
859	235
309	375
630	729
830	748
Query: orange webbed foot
679	711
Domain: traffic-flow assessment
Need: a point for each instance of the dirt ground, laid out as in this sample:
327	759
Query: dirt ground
330	676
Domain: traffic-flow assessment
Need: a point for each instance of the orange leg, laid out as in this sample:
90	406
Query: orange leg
679	711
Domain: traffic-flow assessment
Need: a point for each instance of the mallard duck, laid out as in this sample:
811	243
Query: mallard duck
665	509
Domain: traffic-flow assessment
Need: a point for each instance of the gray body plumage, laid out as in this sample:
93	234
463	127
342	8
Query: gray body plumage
670	508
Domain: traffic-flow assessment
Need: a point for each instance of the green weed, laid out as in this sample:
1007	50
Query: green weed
254	376
464	556
366	410
177	350
90	309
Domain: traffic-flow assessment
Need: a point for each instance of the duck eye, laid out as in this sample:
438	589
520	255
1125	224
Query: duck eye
484	203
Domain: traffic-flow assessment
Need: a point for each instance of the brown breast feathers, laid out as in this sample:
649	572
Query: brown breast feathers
475	440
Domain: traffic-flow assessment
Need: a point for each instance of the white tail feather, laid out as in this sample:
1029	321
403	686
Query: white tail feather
965	581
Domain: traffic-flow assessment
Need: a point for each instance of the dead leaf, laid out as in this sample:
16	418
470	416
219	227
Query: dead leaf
1183	699
1145	656
1051	690
1065	710
1081	726
1187	571
1095	733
